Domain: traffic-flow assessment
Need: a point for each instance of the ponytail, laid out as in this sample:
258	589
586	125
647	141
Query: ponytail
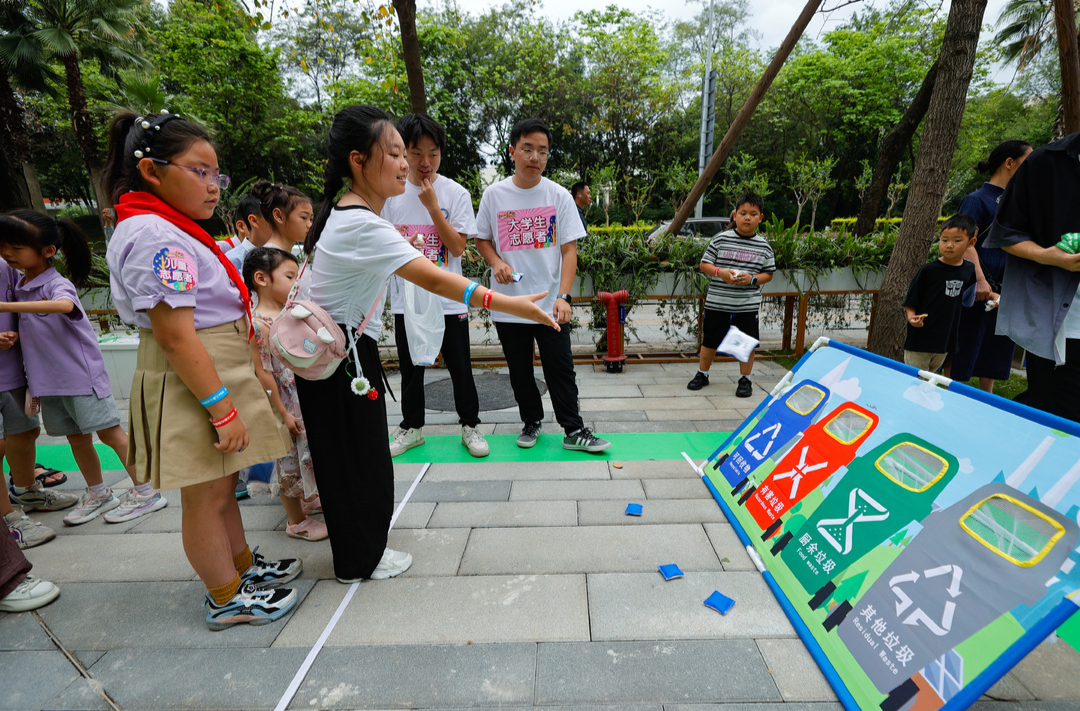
356	128
130	140
28	228
1001	153
272	196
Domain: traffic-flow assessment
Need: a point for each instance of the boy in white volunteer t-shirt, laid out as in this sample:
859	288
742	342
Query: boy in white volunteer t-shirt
528	225
436	215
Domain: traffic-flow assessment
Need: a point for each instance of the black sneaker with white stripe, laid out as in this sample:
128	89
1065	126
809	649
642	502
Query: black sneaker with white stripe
264	574
584	441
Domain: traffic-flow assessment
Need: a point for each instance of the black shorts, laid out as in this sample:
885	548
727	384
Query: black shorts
717	324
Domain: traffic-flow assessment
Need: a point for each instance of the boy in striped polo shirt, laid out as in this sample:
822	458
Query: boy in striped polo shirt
739	262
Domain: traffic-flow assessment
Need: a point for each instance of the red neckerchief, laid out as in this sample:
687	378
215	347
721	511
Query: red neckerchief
142	203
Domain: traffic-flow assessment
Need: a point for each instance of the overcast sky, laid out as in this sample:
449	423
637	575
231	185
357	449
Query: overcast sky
771	18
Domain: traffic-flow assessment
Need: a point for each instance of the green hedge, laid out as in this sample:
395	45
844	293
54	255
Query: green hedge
847	223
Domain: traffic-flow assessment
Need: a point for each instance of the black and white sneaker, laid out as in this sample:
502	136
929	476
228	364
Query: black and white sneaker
264	574
249	605
700	380
744	389
584	441
529	434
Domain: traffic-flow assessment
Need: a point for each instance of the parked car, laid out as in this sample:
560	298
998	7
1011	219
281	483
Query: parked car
703	228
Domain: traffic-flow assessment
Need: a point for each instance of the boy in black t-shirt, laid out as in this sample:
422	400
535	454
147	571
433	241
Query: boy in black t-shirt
936	293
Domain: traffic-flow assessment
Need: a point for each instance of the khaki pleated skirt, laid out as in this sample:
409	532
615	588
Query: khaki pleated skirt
171	438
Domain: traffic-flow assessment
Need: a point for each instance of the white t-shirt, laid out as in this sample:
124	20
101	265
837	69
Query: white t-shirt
410	217
528	228
355	256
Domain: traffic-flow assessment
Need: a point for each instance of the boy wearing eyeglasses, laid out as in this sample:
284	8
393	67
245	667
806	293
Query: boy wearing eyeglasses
527	231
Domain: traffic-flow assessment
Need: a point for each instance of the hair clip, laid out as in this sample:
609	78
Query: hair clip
138	154
145	125
164	112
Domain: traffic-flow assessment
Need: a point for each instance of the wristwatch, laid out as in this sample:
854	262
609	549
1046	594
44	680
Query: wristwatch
753	281
565	297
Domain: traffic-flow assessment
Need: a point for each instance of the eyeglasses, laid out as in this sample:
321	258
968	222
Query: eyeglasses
527	154
206	175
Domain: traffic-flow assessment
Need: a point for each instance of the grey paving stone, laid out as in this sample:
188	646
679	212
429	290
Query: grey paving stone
626	490
681	416
793	669
408	471
600	389
728	547
721	426
692	488
316	556
613	513
603	417
238	679
1008	688
774	706
88	657
454	491
451	610
515	471
1051	671
98	616
104	558
415	515
420	676
653	469
21	632
632	427
635	606
256	517
96	527
648	404
504	514
641	672
78	696
48	674
717	384
586	549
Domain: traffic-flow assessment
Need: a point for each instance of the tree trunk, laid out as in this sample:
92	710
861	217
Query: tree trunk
82	124
1065	19
15	143
743	117
410	51
892	149
931	172
798	214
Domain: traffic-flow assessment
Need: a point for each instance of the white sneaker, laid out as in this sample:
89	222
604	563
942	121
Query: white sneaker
30	594
91	506
132	506
405	440
26	531
393	563
471	438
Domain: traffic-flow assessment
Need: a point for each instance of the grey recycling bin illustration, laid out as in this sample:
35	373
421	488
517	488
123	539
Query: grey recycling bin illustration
970	564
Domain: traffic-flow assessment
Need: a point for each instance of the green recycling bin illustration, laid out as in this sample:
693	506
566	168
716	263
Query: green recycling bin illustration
971	563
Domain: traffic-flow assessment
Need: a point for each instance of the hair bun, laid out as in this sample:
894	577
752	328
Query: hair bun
983	166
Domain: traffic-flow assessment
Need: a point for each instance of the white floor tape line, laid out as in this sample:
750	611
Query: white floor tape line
309	660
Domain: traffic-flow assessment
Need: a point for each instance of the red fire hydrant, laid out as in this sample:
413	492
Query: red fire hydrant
615	304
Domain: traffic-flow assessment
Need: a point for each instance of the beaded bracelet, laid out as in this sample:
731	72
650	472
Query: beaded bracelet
487	298
225	420
216	397
468	292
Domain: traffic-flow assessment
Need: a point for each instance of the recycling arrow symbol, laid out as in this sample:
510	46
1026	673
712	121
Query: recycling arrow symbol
775	429
917	616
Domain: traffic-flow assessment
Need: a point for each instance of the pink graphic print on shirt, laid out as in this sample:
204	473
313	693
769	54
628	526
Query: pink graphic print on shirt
433	248
528	228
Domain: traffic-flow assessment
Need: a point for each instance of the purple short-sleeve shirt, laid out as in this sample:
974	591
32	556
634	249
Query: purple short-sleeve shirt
62	354
11	364
151	261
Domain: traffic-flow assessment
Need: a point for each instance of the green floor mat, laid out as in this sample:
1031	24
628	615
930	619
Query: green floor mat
448	449
1070	632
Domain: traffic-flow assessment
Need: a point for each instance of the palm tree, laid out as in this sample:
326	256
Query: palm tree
71	31
1025	27
22	64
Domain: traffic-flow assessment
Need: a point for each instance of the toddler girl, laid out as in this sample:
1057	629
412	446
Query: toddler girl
270	273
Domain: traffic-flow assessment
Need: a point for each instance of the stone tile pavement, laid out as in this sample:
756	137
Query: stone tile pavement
530	589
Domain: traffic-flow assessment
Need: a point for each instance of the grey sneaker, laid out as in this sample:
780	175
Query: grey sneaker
529	434
91	506
27	532
471	438
584	441
38	498
132	506
405	440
